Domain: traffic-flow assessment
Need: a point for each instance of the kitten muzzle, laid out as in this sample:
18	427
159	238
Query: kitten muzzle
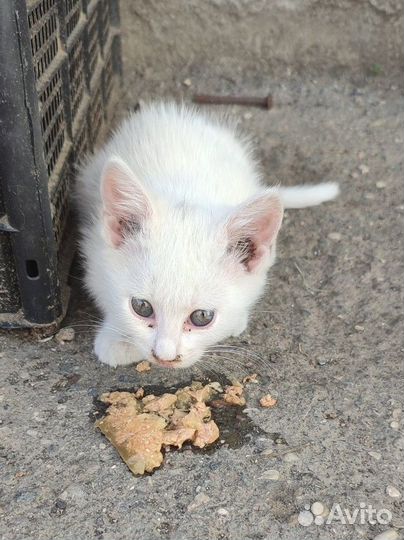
175	362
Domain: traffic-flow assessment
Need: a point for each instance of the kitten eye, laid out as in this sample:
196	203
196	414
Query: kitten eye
142	307
201	317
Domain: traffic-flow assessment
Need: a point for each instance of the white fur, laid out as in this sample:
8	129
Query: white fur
194	191
302	196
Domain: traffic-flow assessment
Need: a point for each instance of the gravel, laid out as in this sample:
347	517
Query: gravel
393	492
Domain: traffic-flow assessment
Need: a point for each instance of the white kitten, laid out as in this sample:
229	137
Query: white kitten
178	232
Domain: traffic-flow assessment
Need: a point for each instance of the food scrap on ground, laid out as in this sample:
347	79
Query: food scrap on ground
65	335
233	395
141	426
253	378
268	401
139	393
141	367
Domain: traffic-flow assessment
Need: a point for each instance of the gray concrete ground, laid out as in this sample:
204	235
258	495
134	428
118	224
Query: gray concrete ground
330	329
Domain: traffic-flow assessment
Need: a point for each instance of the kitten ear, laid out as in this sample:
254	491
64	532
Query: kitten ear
126	205
252	228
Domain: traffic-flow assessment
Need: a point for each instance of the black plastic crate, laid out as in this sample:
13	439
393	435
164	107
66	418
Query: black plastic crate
43	28
81	138
76	68
96	111
105	22
59	80
93	42
53	118
73	10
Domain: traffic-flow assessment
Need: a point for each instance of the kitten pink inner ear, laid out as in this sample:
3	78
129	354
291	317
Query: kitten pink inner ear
252	229
126	205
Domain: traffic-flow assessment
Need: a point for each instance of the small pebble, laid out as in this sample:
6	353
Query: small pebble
359	328
247	116
322	362
380	184
280	440
393	492
222	512
396	413
267	452
60	504
198	501
399	443
270	474
248	410
364	169
375	455
355	175
73	493
290	457
394	425
336	236
65	334
390	534
187	82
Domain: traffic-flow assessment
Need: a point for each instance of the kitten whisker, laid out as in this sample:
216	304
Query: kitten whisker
256	362
238	350
219	366
251	355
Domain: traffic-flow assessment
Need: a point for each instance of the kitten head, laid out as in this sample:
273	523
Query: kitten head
181	278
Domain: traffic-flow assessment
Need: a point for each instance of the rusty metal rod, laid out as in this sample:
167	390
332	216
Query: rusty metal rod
251	101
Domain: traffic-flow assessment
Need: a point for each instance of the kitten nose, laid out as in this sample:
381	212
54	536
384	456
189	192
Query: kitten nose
165	349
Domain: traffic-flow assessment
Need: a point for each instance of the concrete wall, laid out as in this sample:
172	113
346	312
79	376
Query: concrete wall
271	37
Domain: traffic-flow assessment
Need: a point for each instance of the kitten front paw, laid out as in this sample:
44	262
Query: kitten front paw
112	352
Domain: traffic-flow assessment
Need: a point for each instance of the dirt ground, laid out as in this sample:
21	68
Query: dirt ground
330	327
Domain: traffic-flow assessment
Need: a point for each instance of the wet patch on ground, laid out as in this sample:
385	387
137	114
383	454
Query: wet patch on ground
235	426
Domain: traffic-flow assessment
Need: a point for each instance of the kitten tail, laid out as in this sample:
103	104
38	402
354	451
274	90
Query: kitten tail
303	196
